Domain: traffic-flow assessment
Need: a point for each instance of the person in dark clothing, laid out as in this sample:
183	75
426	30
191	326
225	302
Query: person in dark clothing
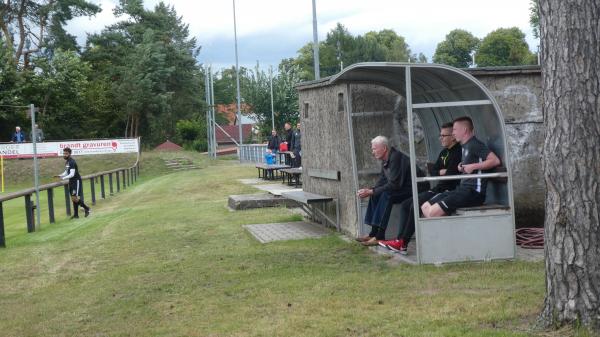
18	136
476	158
393	186
297	147
446	164
75	187
273	143
288	137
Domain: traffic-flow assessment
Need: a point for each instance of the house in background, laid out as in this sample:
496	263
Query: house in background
228	135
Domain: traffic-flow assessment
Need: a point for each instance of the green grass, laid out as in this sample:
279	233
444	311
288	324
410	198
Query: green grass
167	258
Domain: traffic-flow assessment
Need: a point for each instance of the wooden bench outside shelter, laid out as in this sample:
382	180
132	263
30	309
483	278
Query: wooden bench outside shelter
269	172
308	202
292	175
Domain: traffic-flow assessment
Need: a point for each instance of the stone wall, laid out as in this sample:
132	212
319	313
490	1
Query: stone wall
518	91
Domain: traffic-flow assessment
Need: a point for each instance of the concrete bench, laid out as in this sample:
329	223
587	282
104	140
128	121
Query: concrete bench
483	210
308	202
292	175
269	172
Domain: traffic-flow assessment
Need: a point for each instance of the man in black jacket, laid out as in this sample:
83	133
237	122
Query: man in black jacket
288	138
393	186
446	164
273	143
297	147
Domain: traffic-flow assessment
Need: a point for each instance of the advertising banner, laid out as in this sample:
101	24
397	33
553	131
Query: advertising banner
79	147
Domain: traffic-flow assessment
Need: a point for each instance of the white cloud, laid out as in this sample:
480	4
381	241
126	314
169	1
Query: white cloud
282	27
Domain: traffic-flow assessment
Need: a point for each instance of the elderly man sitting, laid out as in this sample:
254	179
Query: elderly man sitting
393	186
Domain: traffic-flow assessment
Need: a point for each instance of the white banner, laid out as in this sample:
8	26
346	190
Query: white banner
79	148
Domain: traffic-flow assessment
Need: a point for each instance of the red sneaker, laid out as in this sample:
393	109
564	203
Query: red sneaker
398	246
384	244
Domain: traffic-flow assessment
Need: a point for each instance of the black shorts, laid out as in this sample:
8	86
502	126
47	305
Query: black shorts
449	201
75	187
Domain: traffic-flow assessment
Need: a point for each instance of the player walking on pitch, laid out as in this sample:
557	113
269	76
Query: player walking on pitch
75	189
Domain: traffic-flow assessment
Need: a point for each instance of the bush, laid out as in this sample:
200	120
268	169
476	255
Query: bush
200	145
192	135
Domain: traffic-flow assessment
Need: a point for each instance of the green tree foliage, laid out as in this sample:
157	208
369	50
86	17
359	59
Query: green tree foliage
534	17
285	97
341	48
149	60
58	88
456	49
28	27
504	47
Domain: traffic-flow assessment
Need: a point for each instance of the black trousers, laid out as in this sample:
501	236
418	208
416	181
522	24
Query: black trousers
407	219
379	210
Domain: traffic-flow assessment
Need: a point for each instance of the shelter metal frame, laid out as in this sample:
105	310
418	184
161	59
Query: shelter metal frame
505	247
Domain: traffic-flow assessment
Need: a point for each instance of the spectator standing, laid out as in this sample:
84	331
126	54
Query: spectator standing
18	136
37	134
273	143
297	146
287	137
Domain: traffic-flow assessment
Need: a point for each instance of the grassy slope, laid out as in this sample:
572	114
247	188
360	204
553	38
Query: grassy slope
167	258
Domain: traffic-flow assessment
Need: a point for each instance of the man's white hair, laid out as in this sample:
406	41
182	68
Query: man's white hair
380	140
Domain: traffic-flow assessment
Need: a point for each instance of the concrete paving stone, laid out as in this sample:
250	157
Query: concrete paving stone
286	231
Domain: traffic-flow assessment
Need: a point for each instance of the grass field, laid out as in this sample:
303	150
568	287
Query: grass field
167	258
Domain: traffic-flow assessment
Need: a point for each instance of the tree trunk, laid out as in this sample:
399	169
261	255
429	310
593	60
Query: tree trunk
570	46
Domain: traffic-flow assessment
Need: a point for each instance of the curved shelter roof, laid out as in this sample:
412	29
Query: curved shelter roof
439	94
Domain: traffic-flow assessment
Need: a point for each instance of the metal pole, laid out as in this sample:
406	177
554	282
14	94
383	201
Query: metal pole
208	121
35	167
413	159
51	205
213	131
2	169
2	240
237	77
315	42
272	108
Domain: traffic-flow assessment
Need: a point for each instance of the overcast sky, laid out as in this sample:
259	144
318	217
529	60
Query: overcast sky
271	30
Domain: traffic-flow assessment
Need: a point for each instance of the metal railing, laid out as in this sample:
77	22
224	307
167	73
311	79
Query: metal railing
123	178
252	153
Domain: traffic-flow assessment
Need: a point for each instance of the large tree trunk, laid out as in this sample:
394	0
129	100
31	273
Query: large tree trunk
570	41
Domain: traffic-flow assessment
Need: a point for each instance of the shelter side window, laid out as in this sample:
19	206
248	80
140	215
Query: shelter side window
305	110
340	102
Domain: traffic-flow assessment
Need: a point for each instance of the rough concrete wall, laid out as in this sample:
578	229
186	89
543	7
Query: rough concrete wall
520	98
325	146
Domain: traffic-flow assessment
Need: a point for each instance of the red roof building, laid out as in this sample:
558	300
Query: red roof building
233	131
168	146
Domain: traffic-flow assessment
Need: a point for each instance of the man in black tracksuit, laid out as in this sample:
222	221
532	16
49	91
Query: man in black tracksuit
446	164
75	187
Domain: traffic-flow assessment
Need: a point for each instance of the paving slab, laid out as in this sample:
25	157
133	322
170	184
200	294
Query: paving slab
286	231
